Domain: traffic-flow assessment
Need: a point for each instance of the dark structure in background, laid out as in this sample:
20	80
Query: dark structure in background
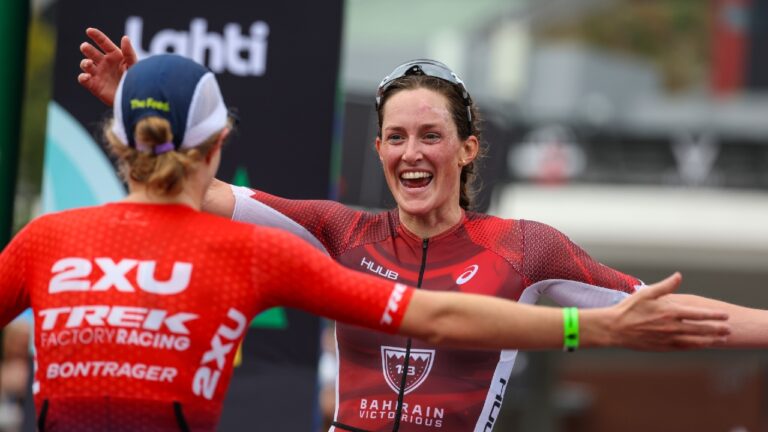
14	17
277	63
739	39
730	45
758	63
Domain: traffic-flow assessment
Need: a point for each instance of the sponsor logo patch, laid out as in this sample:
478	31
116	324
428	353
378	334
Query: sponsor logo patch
393	304
419	366
467	274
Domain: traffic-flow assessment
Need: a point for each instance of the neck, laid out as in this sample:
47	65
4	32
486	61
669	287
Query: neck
431	224
191	195
148	198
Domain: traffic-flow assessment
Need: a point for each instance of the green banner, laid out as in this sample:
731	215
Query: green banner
14	16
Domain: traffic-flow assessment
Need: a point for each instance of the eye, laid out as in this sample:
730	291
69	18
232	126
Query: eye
395	138
431	137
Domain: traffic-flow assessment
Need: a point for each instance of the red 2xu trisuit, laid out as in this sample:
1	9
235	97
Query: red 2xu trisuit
139	309
446	389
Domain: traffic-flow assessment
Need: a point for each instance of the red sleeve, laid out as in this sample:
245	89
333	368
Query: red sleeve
549	254
291	273
336	226
14	297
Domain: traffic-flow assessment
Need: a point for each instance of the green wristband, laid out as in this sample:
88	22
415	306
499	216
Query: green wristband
570	329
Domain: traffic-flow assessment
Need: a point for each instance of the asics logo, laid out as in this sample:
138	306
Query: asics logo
467	274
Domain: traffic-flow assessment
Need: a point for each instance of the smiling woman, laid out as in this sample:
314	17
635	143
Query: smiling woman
427	163
428	142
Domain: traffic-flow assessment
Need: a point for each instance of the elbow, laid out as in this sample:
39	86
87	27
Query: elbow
437	331
435	337
434	320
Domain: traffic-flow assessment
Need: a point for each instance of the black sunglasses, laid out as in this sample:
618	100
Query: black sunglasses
430	68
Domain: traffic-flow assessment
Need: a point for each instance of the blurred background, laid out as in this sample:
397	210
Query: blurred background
637	127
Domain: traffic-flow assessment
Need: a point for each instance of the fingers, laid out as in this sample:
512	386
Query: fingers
129	54
696	342
91	52
703	328
691	313
664	287
87	66
89	84
686	335
101	40
83	79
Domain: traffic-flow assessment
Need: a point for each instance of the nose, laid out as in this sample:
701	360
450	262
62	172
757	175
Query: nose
412	150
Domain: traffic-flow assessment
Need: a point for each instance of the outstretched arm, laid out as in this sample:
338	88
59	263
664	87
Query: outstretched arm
579	280
646	320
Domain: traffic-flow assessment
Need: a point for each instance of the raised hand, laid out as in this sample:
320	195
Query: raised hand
648	321
104	64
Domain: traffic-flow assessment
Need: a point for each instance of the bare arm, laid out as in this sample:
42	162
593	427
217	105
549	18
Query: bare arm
219	199
645	321
747	325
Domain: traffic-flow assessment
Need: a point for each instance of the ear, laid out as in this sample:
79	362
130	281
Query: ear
378	147
468	152
219	143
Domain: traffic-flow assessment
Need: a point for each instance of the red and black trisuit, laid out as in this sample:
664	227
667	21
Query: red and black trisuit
445	389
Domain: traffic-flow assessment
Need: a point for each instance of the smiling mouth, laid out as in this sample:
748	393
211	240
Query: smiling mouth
415	179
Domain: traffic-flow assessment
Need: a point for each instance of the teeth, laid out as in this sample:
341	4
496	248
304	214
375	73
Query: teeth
413	175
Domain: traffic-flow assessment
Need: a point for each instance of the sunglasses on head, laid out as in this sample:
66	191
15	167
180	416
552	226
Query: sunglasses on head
430	68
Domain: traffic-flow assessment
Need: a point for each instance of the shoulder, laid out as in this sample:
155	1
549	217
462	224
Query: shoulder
223	226
477	220
51	228
492	231
503	237
539	231
512	238
78	216
323	209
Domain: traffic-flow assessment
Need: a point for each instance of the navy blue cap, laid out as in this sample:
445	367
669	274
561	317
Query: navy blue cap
172	87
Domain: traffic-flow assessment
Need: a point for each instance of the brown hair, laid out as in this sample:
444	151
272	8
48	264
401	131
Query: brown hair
470	182
162	174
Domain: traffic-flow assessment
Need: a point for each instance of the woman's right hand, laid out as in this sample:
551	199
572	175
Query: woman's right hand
104	64
648	321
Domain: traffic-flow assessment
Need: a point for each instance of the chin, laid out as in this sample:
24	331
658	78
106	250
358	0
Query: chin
414	208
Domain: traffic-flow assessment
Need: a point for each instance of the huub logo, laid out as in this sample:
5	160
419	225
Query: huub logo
378	269
233	52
